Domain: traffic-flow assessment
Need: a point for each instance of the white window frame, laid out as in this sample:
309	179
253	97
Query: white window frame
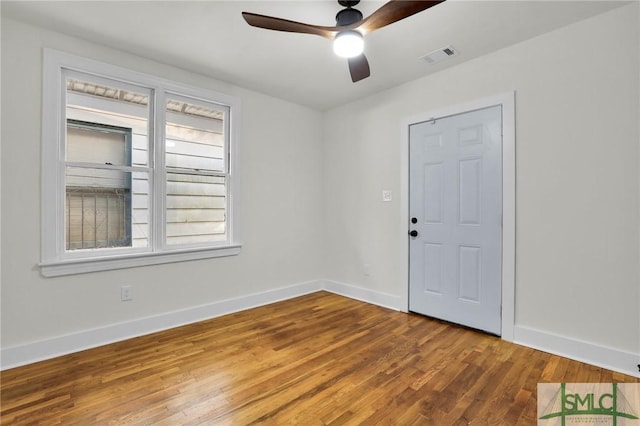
55	260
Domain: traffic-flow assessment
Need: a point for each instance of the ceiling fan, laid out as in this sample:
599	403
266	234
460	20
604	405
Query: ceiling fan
350	28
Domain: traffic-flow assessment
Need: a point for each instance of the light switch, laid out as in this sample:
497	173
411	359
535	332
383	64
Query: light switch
386	195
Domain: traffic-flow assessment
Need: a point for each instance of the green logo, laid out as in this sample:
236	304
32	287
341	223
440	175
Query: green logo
588	403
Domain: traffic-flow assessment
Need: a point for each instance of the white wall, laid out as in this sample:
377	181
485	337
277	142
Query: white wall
578	191
577	171
281	212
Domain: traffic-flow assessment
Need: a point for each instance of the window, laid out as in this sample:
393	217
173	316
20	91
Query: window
136	170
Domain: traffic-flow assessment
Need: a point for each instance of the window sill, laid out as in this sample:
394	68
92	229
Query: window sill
81	266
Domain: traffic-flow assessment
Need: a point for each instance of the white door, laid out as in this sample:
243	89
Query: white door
455	215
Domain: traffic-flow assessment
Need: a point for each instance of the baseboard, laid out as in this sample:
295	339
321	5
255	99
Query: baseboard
612	359
590	353
365	295
62	345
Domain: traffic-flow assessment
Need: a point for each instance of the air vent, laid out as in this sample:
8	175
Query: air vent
439	55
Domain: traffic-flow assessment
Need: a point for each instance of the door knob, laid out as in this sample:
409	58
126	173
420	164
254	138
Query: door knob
413	233
414	220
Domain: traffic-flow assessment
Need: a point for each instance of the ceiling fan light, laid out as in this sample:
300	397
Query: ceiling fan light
348	44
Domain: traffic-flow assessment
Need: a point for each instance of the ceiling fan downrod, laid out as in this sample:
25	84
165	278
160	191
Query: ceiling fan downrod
348	3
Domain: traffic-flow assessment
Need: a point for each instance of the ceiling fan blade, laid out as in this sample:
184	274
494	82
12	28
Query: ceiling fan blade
279	24
394	11
359	68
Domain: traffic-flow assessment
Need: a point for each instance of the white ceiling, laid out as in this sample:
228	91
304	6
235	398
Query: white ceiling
211	38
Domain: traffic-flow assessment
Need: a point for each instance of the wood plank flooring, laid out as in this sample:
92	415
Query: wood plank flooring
320	359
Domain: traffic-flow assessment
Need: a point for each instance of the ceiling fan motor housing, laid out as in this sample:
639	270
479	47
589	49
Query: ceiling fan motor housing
348	16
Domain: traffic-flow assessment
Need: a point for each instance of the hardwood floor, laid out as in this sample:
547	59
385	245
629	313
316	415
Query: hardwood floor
319	359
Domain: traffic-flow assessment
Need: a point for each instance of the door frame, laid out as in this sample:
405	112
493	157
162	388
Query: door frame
507	101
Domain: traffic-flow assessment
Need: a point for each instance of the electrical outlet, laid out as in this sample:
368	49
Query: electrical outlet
126	293
386	195
366	269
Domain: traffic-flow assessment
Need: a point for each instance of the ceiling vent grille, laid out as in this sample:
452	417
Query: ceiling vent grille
439	55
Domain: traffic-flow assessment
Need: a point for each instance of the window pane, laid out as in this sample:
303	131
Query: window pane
105	208
140	205
93	143
196	209
107	123
195	136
